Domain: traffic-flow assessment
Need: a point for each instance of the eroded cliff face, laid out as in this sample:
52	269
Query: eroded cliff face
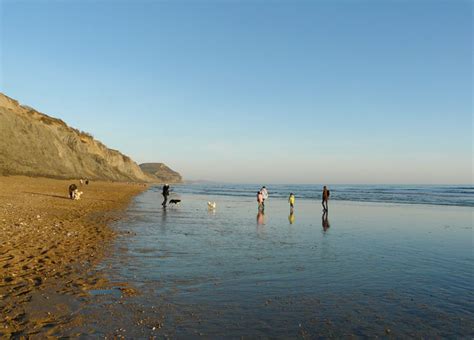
34	144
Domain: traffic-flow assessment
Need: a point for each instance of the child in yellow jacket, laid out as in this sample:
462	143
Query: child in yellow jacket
291	200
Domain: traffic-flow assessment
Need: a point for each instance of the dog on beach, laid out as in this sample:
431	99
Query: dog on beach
211	205
74	192
175	202
76	195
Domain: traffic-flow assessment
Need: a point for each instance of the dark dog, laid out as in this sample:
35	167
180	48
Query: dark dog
72	187
175	201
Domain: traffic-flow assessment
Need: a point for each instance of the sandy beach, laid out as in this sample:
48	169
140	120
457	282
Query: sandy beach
370	269
48	246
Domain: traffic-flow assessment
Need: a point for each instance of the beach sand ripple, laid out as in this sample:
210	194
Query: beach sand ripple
48	246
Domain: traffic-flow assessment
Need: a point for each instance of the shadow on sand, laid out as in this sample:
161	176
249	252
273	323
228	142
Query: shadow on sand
64	197
37	193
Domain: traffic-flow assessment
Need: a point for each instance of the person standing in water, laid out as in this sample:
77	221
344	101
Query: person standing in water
261	206
264	194
324	202
291	200
165	193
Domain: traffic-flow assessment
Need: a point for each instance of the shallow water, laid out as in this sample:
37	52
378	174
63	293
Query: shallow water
457	195
368	270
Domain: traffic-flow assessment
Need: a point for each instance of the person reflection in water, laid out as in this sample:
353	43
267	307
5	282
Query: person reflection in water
291	217
260	217
163	218
325	221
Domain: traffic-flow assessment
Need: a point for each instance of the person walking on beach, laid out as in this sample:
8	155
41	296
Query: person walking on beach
291	200
325	198
264	194
165	193
261	206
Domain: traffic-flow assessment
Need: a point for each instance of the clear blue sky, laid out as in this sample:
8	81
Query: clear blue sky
256	91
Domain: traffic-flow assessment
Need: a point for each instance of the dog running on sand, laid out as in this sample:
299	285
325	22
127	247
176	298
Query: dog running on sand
175	202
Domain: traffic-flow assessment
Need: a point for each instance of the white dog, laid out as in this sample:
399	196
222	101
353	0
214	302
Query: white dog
211	205
76	194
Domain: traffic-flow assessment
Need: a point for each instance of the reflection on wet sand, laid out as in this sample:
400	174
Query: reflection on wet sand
325	221
163	216
261	224
291	217
260	217
241	274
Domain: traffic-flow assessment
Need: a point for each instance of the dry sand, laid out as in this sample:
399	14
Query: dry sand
48	246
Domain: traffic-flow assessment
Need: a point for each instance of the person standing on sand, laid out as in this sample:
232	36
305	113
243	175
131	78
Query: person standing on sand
326	194
165	193
264	194
291	200
261	206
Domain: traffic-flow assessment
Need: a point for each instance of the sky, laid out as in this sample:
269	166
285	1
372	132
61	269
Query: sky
339	91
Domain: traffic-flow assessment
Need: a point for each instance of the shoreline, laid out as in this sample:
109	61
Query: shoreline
229	273
49	246
317	201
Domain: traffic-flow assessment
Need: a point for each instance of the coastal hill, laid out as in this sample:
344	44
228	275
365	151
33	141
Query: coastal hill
161	173
34	144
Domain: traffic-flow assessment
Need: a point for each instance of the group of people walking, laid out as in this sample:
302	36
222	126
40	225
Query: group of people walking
262	195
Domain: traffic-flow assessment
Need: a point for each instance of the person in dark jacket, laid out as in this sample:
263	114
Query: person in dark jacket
72	188
165	193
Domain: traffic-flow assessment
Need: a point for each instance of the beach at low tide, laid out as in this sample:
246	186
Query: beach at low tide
368	270
49	246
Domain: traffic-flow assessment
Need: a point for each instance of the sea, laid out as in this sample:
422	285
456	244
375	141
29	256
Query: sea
456	195
385	261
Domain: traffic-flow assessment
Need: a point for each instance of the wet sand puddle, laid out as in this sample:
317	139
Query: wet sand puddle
365	270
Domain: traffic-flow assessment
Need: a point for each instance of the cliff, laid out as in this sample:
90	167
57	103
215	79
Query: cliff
161	173
34	144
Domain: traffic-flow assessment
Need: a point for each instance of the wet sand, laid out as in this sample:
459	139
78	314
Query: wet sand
49	245
368	270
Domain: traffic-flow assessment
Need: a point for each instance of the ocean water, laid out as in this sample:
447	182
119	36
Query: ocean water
366	269
459	195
